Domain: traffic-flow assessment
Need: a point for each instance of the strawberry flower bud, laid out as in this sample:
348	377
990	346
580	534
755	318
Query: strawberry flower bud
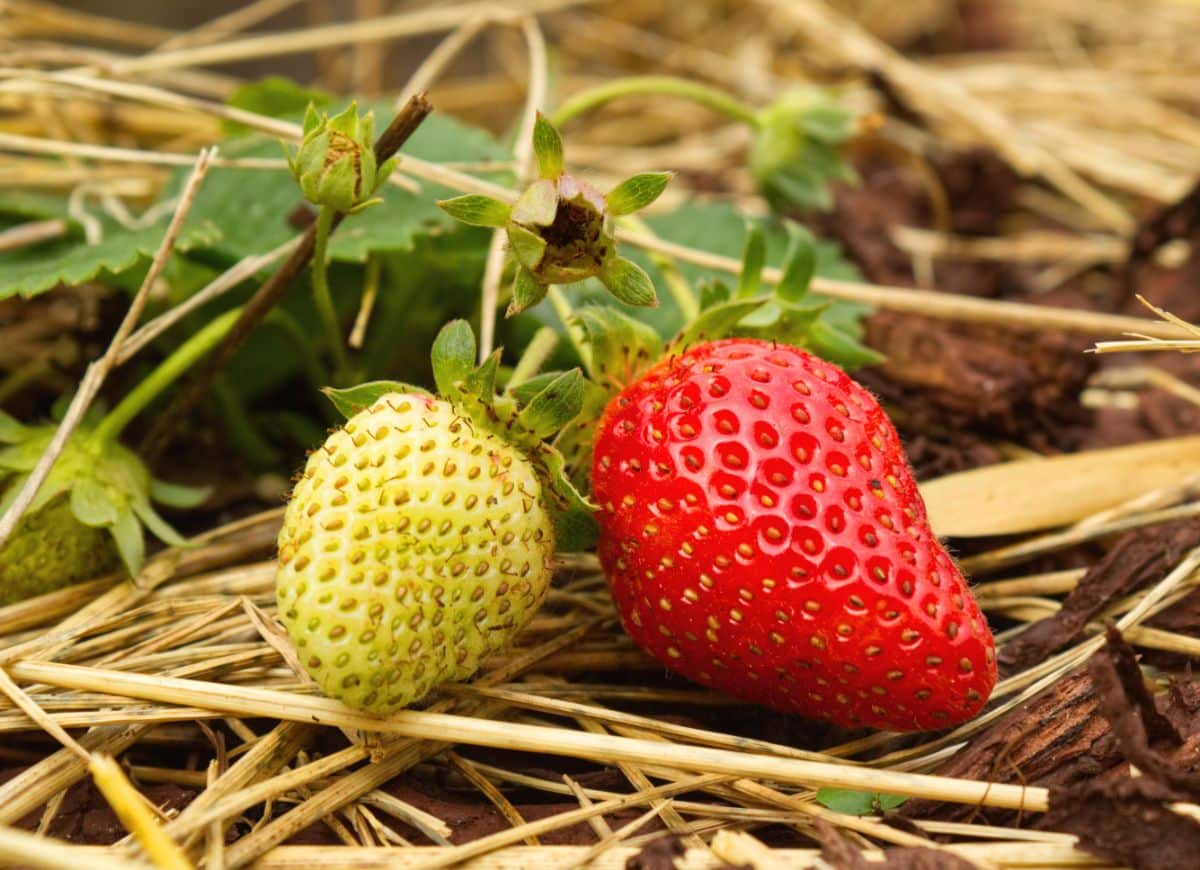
335	163
560	229
795	152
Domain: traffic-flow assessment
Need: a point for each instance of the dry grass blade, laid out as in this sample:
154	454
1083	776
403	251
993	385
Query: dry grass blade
130	807
247	701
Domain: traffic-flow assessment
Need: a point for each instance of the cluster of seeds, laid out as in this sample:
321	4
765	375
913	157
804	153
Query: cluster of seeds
413	546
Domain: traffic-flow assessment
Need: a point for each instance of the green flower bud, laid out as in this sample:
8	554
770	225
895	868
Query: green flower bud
335	163
795	153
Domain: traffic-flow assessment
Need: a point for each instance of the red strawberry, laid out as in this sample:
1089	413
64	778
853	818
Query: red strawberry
762	534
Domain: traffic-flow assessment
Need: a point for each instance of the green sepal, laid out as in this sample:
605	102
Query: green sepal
754	257
177	495
628	282
480	382
131	543
159	527
351	400
527	245
477	210
839	346
717	321
312	118
620	345
23	456
556	405
547	148
527	389
636	192
713	292
93	504
537	205
11	429
799	265
453	355
527	292
575	530
54	486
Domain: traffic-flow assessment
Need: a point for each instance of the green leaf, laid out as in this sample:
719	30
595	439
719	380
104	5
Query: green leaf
547	147
453	356
628	282
177	495
556	405
476	210
754	256
858	803
71	261
799	264
480	382
276	97
537	205
92	503
527	292
131	544
12	430
354	399
636	192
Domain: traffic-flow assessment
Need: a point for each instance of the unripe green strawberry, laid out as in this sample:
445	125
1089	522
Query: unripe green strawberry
50	548
87	517
414	545
420	536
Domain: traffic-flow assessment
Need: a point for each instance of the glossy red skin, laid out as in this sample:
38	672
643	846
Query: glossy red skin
746	491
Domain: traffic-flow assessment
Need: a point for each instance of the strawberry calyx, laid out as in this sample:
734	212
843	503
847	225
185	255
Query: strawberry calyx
106	486
560	229
526	419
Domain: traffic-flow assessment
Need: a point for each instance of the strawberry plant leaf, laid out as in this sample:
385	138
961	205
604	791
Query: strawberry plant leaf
858	803
276	97
353	399
73	261
453	356
636	192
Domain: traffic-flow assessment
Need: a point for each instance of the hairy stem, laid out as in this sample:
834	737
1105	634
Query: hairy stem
543	343
574	332
714	98
321	295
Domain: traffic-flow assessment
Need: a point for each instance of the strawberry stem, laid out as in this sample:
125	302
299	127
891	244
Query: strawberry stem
543	343
714	98
574	331
183	358
321	295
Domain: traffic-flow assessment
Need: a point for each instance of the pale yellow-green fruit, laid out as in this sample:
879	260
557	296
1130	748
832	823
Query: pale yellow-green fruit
414	545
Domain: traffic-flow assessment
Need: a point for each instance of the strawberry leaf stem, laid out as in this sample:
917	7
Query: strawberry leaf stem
716	99
183	358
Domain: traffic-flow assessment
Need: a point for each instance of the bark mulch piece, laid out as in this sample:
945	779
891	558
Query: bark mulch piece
838	853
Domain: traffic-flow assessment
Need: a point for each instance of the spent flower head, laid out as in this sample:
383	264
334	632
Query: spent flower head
560	229
335	163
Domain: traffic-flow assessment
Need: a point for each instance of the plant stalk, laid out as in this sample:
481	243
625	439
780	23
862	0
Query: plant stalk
714	98
322	297
182	359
